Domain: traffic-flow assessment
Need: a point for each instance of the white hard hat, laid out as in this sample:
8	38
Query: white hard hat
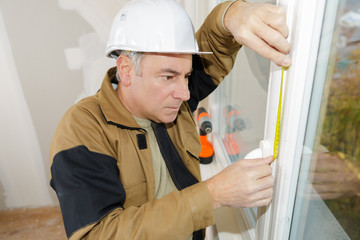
153	26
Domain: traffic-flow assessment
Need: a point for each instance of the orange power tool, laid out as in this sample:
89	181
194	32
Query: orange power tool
204	122
234	123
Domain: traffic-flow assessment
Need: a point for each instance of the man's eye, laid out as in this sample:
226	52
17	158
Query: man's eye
168	77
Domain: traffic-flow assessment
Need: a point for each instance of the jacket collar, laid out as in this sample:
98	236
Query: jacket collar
111	107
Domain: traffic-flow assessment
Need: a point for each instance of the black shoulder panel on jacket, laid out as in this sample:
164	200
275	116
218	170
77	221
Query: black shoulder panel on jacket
87	185
200	84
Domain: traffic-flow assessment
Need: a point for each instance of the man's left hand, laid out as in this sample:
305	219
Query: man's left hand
260	27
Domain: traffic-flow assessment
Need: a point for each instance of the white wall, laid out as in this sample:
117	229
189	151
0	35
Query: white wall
37	86
20	152
51	54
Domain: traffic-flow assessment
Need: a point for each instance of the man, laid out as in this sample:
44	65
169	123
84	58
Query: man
124	162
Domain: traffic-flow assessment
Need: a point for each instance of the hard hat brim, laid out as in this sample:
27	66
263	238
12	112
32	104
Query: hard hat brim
111	49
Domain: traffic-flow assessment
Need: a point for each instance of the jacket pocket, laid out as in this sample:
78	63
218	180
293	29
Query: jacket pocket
191	160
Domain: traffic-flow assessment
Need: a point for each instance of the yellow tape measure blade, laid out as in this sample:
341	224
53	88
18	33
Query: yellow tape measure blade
278	118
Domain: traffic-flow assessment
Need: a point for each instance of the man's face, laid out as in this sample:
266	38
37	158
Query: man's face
162	86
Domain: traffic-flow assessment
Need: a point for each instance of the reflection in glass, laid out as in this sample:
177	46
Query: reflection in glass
242	108
328	196
239	114
243	104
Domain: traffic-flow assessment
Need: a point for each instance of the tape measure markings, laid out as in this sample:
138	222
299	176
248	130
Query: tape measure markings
278	118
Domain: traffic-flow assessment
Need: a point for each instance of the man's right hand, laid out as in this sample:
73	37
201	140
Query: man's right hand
246	183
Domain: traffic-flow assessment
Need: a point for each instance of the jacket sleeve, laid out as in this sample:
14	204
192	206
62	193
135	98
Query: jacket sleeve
85	176
175	216
210	69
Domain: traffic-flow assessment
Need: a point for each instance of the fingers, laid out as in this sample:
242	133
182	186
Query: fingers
273	30
328	188
264	198
255	162
324	196
268	40
324	178
257	168
264	183
262	28
327	192
275	40
264	49
262	172
263	195
276	19
246	183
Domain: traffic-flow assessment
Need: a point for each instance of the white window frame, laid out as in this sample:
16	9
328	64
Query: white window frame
304	19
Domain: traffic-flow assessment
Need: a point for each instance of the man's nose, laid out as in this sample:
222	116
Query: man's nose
182	91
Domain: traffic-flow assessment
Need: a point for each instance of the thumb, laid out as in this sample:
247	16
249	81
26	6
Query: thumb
269	159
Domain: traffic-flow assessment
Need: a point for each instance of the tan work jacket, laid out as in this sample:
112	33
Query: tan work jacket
103	174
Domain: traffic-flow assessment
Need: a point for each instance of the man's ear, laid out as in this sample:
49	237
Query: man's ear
125	69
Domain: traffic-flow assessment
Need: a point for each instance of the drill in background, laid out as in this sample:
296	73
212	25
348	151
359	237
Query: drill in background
204	122
234	123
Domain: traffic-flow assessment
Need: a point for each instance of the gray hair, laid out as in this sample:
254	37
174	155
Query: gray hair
135	58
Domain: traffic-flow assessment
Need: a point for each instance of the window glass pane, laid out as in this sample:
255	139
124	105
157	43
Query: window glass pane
327	204
242	107
241	103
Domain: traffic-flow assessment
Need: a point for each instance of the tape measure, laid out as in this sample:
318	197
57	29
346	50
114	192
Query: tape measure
278	118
